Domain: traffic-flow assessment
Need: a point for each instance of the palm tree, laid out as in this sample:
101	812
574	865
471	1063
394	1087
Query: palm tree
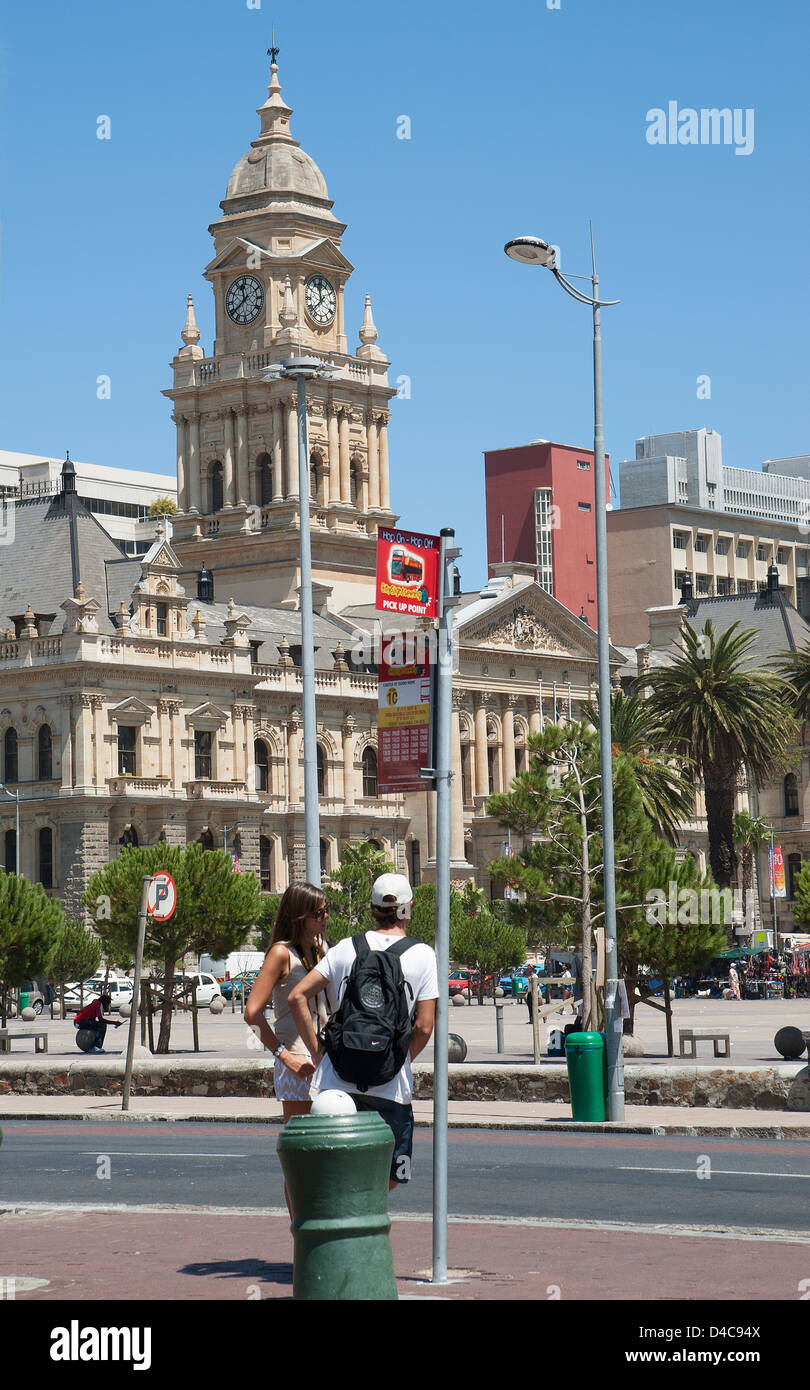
667	796
749	833
724	714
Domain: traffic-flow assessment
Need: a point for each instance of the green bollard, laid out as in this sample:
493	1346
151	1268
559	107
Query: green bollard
337	1169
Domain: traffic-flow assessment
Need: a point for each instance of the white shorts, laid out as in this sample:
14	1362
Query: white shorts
287	1085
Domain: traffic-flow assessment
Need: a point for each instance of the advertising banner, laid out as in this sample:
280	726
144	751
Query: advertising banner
778	888
407	573
404	726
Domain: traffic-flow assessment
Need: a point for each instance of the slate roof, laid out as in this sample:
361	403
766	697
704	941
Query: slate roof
779	627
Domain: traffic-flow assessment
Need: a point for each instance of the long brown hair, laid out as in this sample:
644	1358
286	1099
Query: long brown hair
300	900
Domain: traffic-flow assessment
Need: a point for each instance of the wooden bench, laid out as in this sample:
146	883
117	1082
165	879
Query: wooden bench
691	1036
7	1035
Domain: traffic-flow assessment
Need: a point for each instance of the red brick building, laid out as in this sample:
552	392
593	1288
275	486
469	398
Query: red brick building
540	510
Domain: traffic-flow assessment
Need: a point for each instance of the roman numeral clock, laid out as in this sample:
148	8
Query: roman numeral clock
244	300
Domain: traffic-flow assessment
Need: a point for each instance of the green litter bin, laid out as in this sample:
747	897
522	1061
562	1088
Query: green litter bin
24	998
584	1055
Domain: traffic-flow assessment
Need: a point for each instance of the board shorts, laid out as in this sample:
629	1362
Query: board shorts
287	1085
399	1119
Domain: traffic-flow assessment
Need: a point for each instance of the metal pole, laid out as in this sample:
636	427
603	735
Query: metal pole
136	990
444	715
613	1017
17	846
312	828
499	1026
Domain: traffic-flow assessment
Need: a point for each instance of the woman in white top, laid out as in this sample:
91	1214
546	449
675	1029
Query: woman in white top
295	948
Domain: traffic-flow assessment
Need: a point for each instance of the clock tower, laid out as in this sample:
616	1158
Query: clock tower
279	276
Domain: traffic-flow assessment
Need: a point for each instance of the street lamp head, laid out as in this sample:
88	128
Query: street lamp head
530	250
301	366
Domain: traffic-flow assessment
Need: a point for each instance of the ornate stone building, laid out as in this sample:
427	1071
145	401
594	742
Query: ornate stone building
160	697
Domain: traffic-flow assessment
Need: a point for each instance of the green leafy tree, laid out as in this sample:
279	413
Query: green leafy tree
724	714
667	794
486	944
267	920
162	506
348	895
801	904
216	909
422	924
75	954
749	833
29	923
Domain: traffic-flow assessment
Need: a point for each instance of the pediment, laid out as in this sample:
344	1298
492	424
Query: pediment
207	716
322	254
235	254
160	556
131	711
325	255
527	619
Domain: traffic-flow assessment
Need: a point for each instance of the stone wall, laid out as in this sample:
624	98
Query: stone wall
785	1086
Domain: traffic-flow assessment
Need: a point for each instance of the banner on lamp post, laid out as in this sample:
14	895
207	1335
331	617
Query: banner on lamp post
403	725
777	866
407	573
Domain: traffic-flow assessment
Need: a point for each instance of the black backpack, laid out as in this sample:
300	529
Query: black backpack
368	1035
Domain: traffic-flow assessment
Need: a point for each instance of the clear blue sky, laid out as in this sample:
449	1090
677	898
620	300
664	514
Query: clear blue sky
524	119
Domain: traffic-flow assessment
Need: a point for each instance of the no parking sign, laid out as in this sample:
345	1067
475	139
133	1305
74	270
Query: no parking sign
161	898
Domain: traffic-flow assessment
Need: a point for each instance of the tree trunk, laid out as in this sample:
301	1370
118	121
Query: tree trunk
719	792
166	1008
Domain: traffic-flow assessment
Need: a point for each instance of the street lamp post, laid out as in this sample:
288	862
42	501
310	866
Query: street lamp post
15	795
302	369
534	251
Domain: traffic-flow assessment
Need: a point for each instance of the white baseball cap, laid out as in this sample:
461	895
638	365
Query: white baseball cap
392	890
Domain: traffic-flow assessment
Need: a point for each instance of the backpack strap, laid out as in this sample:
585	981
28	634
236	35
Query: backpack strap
401	945
361	946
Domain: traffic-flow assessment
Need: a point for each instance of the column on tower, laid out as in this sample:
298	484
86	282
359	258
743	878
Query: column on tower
456	793
347	730
334	451
194	462
345	462
385	487
481	763
228	479
242	483
182	500
509	741
291	414
278	451
372	453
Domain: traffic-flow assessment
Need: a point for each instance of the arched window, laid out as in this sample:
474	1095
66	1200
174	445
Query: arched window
466	788
355	482
321	765
369	772
217	487
266	864
45	845
44	753
10	852
374	844
264	463
206	840
10	756
324	858
261	761
129	839
794	868
492	768
791	795
316	477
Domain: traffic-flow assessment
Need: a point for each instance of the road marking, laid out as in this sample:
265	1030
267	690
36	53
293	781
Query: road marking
147	1153
716	1172
749	1233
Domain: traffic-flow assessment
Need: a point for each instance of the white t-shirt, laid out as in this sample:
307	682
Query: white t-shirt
419	968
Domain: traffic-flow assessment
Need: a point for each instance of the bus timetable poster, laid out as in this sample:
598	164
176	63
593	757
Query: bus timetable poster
407	573
403	738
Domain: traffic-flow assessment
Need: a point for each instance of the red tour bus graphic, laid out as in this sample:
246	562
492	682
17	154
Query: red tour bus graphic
404	566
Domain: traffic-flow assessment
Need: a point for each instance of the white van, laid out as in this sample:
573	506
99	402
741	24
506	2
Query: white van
119	988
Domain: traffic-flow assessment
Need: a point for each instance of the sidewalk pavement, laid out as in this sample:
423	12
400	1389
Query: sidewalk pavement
555	1116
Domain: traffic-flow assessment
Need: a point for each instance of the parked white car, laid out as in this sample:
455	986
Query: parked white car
206	987
120	990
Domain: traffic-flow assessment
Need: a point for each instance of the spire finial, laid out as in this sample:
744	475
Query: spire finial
273	51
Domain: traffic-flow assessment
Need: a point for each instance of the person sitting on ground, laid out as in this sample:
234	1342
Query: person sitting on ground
92	1016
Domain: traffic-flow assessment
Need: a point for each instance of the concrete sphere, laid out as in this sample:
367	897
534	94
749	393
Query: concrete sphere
632	1046
217	1004
799	1093
29	1015
333	1103
458	999
456	1048
789	1042
498	993
125	1009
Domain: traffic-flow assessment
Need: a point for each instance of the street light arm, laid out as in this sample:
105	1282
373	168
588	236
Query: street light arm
577	294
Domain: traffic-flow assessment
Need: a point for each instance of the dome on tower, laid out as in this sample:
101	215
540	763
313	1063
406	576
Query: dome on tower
275	168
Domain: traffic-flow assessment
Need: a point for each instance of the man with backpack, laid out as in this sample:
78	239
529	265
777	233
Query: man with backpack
382	987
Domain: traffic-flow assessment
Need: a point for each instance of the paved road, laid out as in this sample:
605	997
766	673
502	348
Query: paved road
735	1183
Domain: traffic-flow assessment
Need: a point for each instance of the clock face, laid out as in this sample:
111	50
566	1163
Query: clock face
321	300
244	300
